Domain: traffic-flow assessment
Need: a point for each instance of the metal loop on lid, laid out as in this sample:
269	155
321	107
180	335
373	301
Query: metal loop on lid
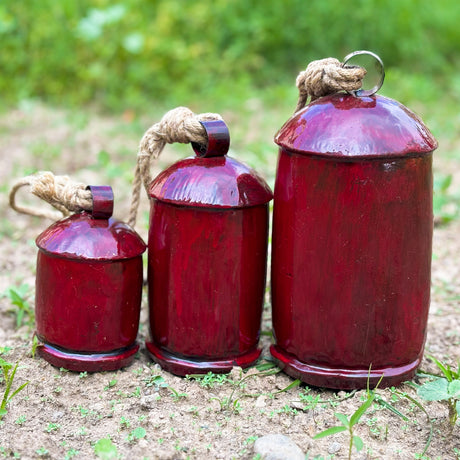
379	69
102	201
218	140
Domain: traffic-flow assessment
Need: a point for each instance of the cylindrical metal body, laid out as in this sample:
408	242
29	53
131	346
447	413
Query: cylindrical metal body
352	232
207	264
88	292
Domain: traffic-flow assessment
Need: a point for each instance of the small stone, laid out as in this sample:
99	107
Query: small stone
236	373
286	422
277	447
334	448
143	444
98	407
297	405
260	401
148	401
58	415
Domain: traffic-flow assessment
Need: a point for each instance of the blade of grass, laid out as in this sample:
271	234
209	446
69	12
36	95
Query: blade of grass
343	418
9	382
363	408
414	401
445	370
292	385
330	431
388	406
15	392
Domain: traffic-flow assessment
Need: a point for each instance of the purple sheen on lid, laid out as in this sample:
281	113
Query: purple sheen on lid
342	126
82	236
219	182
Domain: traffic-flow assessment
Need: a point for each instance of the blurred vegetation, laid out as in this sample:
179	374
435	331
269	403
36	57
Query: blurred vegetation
137	53
239	58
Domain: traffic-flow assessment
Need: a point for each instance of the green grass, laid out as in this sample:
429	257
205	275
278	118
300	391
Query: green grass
131	54
9	372
446	202
105	449
444	388
21	309
348	424
158	382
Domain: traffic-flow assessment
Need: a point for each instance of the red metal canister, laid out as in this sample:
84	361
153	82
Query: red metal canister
88	289
352	233
207	260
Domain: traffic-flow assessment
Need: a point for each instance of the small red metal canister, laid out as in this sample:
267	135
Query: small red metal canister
207	260
352	233
88	289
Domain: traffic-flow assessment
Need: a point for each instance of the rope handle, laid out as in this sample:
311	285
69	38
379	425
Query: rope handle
178	125
60	192
327	76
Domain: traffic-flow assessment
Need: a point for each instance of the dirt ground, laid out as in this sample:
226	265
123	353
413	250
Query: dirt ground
149	413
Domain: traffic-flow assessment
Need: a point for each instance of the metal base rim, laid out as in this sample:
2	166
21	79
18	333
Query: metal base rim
183	366
343	379
88	362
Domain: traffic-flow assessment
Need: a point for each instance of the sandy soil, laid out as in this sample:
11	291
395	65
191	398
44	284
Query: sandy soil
149	413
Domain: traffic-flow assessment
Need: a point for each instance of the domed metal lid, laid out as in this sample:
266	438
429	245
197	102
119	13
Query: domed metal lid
211	179
92	236
220	182
345	127
82	236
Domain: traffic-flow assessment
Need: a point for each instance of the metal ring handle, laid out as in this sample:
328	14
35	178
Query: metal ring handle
218	139
379	63
102	201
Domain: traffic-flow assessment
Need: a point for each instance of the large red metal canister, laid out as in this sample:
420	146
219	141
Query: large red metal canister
88	289
352	233
207	260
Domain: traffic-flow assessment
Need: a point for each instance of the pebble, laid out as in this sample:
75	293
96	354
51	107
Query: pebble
148	401
98	407
236	373
286	422
143	444
277	447
260	401
334	448
297	405
57	416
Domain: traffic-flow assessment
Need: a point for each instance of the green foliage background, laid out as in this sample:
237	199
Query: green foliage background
135	53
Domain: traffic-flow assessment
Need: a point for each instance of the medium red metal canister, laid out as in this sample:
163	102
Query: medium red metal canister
352	236
88	289
207	260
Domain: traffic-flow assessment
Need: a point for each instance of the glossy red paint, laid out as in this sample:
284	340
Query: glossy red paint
218	140
351	248
102	201
88	291
207	263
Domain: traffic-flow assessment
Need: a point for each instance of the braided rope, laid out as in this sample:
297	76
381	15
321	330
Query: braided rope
59	191
327	76
178	125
